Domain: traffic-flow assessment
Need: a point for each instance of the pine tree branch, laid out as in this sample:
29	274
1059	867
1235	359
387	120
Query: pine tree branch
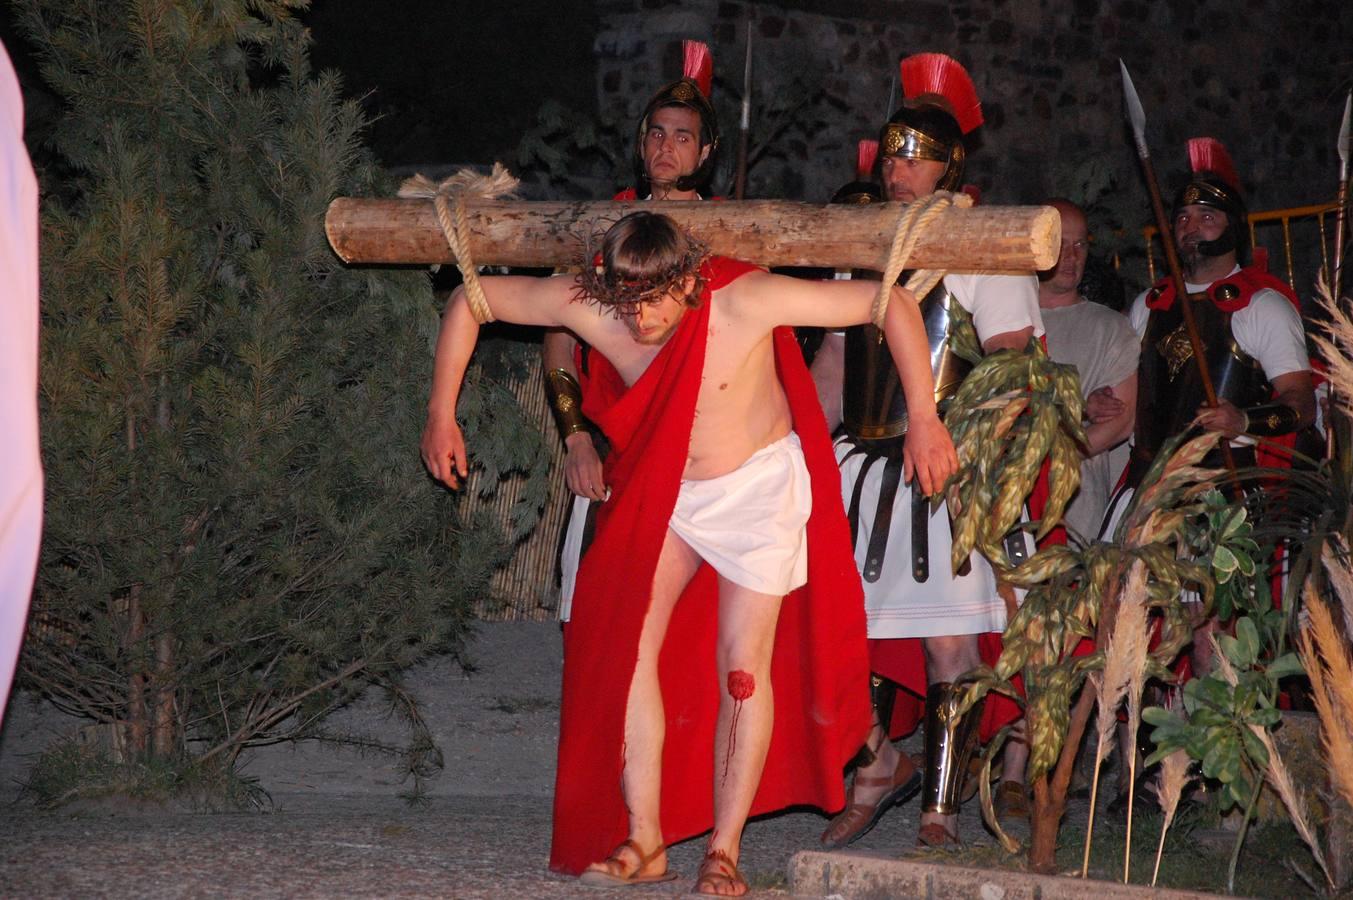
262	721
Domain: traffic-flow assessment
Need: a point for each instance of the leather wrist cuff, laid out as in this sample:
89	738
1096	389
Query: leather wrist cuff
566	402
1271	420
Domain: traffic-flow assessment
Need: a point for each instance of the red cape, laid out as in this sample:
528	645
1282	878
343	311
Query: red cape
1231	293
819	669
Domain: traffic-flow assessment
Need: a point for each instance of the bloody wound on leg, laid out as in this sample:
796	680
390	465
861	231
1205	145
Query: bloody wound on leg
741	685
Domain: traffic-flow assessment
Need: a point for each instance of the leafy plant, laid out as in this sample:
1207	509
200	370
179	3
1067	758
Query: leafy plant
1073	594
1220	717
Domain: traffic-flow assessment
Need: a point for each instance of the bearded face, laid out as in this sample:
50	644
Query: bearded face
1197	224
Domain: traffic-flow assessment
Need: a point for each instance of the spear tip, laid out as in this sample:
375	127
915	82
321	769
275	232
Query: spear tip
1136	115
1344	140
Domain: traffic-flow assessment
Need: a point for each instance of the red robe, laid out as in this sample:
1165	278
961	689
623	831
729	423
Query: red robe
819	669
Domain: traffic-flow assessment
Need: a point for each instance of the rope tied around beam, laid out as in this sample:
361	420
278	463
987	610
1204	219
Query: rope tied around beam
915	218
448	198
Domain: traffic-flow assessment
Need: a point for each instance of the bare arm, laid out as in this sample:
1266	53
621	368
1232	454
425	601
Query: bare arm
525	301
774	300
1008	340
928	451
556	352
1294	390
1109	433
443	445
582	464
829	376
1101	405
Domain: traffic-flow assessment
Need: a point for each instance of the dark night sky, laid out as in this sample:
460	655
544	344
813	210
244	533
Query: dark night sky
429	70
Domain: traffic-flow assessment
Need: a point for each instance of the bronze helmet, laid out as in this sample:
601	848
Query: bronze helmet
940	107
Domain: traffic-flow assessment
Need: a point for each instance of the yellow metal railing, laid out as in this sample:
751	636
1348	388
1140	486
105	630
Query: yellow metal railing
1304	217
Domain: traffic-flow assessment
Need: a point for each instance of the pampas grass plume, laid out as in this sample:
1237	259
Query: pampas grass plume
1124	665
1331	673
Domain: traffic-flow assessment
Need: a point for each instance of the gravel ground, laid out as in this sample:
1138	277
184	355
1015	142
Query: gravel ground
337	826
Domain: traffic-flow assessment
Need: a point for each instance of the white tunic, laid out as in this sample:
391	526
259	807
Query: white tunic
896	605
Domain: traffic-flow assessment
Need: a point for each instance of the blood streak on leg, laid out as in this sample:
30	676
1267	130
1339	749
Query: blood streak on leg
741	685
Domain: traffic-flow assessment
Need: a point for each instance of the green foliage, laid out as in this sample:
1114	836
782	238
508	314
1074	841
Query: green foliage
239	535
1218	730
574	154
1229	535
1014	410
69	771
1070	589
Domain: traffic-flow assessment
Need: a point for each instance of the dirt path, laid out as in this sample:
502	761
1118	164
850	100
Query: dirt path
338	825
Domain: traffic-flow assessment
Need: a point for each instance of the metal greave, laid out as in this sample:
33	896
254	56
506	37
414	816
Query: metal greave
949	742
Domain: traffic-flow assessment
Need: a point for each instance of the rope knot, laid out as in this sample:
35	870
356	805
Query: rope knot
911	224
448	198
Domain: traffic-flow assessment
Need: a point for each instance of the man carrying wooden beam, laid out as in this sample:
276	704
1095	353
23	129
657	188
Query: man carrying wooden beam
711	669
924	619
676	146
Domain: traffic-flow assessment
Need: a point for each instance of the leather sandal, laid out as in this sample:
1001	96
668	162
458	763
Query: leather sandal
936	836
857	819
718	871
616	870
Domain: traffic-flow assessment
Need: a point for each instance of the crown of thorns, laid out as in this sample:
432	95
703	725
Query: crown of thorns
622	296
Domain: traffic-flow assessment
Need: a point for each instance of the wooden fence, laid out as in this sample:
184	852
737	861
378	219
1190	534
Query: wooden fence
527	588
1273	229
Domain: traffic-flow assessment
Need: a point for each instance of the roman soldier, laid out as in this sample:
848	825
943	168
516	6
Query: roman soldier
674	155
924	619
1249	321
1251	331
677	139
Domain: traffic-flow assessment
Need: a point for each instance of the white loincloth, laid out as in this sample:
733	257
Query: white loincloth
750	525
898	606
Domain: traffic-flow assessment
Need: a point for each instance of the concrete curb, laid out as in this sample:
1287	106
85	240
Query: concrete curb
852	876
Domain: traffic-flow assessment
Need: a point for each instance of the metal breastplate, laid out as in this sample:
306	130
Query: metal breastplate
1169	388
874	408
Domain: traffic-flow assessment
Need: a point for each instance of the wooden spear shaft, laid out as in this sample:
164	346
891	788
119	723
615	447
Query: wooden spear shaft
1340	235
1138	119
767	232
1185	305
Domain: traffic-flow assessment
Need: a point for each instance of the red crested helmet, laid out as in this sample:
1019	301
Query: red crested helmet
939	108
1213	182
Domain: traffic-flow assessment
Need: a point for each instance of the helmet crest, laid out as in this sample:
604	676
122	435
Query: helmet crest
940	80
1214	183
866	157
864	189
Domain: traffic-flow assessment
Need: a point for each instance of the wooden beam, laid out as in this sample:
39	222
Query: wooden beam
768	232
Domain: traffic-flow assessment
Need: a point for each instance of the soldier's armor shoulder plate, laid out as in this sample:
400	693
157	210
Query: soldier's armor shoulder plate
874	407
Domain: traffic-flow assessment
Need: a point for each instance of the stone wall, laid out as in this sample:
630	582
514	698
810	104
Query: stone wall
1267	77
